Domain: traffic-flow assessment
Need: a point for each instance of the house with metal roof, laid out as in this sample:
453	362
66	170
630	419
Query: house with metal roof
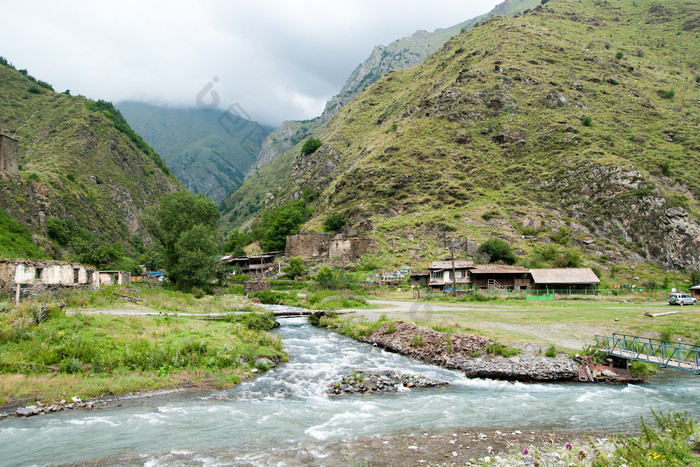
564	278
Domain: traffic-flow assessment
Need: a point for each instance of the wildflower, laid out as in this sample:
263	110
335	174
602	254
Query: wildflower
525	451
569	446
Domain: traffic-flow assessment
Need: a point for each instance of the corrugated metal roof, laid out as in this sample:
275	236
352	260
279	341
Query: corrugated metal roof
459	264
498	269
564	276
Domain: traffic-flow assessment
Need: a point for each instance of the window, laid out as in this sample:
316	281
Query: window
37	273
436	274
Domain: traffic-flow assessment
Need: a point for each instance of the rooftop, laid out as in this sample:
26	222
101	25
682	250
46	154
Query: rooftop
564	276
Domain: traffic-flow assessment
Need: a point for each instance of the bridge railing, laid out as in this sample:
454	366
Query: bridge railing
660	352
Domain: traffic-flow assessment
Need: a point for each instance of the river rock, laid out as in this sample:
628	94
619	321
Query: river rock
387	381
27	411
467	353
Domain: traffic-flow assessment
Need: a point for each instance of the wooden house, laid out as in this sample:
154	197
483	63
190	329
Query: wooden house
500	276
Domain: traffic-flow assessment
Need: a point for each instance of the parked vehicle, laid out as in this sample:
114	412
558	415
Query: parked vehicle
681	299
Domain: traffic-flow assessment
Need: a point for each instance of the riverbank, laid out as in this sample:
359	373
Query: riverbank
74	355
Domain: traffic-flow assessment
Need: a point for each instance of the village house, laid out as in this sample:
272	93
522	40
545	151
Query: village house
265	264
500	276
564	279
695	292
446	274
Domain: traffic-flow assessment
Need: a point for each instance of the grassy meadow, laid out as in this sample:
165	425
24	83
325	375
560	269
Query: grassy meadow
77	354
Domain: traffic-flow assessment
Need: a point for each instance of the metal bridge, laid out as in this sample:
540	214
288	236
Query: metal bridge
668	354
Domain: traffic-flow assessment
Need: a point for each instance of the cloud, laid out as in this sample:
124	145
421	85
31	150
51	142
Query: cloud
278	59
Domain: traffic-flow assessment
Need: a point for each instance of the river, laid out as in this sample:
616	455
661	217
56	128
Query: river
285	417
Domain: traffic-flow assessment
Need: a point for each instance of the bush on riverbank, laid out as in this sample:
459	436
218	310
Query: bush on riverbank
333	300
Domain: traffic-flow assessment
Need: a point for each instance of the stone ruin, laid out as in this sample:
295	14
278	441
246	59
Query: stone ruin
9	159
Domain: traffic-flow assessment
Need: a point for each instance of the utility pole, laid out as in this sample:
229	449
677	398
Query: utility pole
454	275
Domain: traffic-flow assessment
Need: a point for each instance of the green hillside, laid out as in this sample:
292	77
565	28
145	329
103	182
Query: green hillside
207	150
573	126
81	167
398	55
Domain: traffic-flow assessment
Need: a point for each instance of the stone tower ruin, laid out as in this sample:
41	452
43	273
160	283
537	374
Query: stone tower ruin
8	155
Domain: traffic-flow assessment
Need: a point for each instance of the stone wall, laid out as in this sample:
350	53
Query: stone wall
256	286
348	249
8	155
338	249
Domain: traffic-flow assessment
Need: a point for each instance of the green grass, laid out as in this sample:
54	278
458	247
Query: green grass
16	240
89	355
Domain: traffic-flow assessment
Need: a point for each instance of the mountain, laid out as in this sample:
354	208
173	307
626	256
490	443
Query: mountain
79	166
241	207
569	130
209	151
399	55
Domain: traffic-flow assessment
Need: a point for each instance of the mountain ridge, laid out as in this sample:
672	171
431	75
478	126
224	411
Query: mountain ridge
209	151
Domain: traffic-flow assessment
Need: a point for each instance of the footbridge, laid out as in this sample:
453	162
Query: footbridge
663	353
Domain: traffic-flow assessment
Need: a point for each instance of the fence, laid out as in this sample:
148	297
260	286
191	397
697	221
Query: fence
615	295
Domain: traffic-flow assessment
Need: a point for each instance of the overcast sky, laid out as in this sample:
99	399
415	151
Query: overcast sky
279	60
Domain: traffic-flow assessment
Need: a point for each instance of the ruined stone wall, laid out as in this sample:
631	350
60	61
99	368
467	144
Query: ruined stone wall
256	286
348	249
36	277
307	247
8	155
339	250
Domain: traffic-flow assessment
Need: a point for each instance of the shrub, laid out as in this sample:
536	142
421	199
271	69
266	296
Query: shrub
619	54
198	293
417	340
334	222
326	277
295	268
668	439
670	94
391	327
499	349
587	120
34	90
270	298
642	370
498	251
310	146
56	231
551	351
666	168
259	321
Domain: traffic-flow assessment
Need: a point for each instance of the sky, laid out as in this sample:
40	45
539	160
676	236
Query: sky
275	60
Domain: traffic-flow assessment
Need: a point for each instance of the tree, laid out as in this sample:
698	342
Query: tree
310	146
277	224
334	222
185	224
295	268
498	251
237	241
